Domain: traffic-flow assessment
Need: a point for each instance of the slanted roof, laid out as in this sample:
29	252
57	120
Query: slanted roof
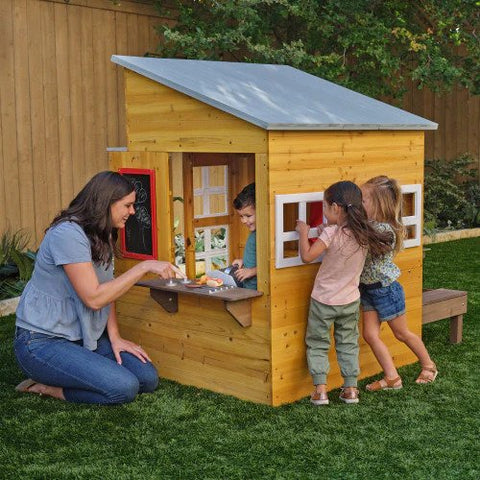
274	97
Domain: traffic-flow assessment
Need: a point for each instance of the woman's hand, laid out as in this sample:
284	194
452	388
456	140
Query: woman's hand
163	269
119	345
238	262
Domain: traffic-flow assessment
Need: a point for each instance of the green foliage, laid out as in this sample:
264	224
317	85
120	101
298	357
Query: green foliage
452	193
371	46
185	433
16	263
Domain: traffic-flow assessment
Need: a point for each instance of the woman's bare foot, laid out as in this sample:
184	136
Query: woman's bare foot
30	386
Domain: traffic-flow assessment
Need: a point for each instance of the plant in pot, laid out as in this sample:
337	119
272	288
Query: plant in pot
16	263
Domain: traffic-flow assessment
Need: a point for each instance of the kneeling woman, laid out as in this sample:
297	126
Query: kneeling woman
67	339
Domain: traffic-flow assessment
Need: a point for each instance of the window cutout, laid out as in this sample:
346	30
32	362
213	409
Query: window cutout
210	191
307	207
211	248
287	209
412	214
290	249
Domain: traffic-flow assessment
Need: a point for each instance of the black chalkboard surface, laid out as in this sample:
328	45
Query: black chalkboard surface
139	238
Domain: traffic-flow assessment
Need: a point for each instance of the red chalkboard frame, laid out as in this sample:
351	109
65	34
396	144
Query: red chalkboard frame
153	202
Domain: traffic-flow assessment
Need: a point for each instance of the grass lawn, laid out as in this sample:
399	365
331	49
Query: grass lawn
419	432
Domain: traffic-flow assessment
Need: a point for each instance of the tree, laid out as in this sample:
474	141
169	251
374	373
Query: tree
371	46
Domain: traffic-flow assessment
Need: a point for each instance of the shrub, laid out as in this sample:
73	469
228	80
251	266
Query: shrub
452	193
16	263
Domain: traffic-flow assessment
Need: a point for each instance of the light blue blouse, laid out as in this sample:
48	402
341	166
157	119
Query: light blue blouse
49	303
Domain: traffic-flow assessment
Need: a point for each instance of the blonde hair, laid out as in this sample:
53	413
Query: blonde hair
386	197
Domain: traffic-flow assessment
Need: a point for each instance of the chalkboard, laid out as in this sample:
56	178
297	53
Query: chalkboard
139	239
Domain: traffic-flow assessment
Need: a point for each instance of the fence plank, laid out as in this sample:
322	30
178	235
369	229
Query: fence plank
9	192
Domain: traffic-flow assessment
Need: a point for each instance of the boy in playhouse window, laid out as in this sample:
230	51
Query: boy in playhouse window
244	204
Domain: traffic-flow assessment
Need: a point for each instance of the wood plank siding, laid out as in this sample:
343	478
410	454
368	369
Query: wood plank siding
61	99
303	162
160	118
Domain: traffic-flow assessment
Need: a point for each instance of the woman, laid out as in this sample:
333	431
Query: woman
67	339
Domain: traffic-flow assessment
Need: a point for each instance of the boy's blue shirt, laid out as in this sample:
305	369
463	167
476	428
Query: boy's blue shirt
250	259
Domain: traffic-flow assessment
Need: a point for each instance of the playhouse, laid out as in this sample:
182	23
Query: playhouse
198	132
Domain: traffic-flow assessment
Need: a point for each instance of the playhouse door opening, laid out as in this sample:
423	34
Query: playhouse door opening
207	232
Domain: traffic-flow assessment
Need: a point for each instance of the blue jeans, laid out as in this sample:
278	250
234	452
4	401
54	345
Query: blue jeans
86	376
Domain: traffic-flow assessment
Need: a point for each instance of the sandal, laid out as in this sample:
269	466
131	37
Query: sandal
349	395
424	379
319	398
26	385
385	384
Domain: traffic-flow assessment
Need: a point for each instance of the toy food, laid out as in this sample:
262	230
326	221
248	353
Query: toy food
209	281
214	282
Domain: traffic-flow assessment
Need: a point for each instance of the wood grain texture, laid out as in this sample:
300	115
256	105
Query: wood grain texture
301	162
160	118
61	99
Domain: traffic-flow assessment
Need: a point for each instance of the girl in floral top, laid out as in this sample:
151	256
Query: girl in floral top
382	297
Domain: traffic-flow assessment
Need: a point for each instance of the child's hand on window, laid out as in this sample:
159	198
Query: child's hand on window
302	228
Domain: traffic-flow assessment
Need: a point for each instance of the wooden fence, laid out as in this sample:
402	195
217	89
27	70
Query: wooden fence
458	116
62	101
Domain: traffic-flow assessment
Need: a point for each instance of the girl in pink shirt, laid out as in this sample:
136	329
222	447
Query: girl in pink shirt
335	297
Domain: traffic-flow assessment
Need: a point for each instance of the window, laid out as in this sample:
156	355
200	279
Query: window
292	206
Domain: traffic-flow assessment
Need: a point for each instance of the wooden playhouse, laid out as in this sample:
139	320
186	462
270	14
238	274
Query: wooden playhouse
198	132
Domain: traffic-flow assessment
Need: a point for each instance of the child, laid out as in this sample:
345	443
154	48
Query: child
382	297
335	296
244	204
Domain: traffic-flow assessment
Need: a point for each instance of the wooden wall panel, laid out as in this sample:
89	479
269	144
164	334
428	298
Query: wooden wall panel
301	162
201	344
62	99
159	118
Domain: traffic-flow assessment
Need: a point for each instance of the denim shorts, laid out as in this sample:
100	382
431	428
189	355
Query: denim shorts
388	302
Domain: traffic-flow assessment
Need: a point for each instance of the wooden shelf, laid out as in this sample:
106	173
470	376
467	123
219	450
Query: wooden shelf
237	301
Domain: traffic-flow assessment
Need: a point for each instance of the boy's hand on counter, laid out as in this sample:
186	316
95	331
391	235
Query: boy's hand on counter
243	273
238	262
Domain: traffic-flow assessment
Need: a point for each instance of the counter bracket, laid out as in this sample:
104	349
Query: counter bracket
237	302
167	300
241	311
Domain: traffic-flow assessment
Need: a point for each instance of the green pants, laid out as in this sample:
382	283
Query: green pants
345	323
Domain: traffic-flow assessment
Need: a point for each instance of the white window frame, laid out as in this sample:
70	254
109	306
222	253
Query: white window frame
414	220
207	190
281	236
209	253
302	199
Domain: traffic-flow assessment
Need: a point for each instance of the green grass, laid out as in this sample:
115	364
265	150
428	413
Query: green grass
419	432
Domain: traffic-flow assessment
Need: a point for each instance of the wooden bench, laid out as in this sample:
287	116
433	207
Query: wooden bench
443	303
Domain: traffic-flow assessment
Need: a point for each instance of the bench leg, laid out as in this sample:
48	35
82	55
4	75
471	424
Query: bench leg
456	329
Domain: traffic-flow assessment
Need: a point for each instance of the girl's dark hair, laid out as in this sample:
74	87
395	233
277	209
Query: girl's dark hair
349	197
91	210
245	198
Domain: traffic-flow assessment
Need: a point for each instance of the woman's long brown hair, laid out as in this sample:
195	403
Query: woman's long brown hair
91	210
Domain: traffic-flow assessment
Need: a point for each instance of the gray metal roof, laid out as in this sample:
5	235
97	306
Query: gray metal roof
274	97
